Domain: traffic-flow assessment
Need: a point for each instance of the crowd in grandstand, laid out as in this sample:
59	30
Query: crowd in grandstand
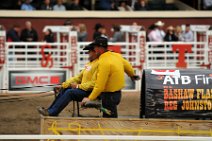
113	5
63	5
155	33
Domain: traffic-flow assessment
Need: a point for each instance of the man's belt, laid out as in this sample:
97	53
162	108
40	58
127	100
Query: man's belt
111	92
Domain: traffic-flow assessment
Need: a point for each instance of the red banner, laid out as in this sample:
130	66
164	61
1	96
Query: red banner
2	51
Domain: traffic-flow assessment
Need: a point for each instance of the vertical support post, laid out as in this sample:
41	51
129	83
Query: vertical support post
2	57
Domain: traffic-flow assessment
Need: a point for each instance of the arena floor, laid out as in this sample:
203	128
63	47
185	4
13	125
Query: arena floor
19	115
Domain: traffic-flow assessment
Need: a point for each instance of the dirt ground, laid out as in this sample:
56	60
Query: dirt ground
19	115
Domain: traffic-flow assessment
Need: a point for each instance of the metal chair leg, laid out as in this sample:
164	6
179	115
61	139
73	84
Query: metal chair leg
78	113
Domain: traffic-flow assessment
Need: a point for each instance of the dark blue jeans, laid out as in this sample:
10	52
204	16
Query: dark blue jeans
63	99
110	100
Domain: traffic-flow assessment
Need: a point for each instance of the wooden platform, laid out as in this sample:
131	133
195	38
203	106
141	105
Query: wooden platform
100	126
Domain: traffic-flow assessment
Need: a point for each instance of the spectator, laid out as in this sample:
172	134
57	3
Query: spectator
157	34
118	36
2	28
123	6
86	4
100	30
170	35
103	32
36	3
29	34
179	33
68	22
104	5
82	33
149	30
74	5
49	36
46	5
97	33
114	6
207	4
59	6
133	3
17	5
141	5
188	35
13	34
27	6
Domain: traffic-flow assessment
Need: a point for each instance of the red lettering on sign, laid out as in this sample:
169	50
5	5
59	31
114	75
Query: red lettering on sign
182	49
47	60
20	80
23	80
55	80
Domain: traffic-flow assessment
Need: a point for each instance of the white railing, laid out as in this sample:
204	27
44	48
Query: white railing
129	51
32	55
162	56
158	55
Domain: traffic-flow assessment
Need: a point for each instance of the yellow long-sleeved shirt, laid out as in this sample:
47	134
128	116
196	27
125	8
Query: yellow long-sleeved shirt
86	78
110	73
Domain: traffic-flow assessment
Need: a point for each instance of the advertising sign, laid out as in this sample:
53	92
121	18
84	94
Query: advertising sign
176	93
30	80
2	48
73	43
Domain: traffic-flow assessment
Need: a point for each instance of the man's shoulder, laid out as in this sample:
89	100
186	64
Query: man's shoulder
106	57
116	54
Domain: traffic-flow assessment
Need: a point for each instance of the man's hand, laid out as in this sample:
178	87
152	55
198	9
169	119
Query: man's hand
86	99
135	78
57	89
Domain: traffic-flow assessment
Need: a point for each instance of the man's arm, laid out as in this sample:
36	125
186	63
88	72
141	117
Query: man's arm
88	86
130	71
128	68
102	77
76	79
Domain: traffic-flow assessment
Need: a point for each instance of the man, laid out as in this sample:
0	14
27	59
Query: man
46	5
73	5
118	35
207	4
59	6
29	34
188	35
75	88
141	5
27	6
157	34
13	34
110	77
